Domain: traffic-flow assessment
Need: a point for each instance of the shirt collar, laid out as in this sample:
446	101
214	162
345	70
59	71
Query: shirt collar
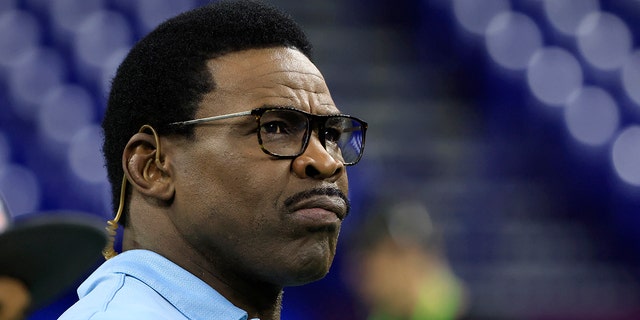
186	292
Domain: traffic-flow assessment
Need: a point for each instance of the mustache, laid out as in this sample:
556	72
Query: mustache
330	192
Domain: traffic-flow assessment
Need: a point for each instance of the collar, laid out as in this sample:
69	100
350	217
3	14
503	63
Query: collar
186	292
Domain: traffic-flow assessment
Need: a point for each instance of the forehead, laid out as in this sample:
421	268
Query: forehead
272	76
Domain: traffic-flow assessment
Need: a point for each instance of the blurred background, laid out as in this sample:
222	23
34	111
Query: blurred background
504	136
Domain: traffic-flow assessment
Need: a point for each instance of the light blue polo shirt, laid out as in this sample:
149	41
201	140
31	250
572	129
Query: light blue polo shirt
141	284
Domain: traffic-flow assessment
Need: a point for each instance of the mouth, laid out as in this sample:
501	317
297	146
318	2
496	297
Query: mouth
334	205
318	208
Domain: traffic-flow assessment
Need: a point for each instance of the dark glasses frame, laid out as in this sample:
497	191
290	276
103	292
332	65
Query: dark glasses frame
314	121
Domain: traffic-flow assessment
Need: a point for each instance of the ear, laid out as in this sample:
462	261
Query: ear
146	170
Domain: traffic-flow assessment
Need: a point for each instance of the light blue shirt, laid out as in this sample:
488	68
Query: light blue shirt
141	284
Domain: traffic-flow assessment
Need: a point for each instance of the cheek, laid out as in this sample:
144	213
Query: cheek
251	186
213	173
343	183
241	194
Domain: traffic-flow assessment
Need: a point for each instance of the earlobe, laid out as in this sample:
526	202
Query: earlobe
145	170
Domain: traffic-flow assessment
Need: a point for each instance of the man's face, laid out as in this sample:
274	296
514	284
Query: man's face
241	208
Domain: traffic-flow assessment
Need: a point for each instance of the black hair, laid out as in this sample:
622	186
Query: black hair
164	76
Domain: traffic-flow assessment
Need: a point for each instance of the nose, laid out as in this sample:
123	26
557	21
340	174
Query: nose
317	163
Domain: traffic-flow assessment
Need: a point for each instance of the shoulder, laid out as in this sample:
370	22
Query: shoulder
113	293
144	285
121	297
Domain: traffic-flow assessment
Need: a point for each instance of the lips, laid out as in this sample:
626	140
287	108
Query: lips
328	198
321	208
317	210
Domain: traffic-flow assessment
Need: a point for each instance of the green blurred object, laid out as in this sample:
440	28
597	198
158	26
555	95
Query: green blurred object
441	298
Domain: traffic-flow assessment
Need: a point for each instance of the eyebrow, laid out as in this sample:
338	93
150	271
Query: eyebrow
337	113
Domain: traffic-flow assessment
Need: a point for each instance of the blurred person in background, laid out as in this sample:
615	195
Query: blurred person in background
398	268
234	161
42	255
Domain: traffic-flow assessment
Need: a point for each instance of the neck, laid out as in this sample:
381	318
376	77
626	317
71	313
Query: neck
259	299
270	310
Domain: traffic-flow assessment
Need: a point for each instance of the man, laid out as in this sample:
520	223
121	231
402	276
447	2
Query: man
234	160
42	255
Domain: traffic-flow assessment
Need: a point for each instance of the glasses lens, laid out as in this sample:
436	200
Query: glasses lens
344	138
282	132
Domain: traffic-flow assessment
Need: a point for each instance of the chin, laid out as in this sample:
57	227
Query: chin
305	262
305	278
308	269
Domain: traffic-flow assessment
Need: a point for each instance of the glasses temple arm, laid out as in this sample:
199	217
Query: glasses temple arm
208	119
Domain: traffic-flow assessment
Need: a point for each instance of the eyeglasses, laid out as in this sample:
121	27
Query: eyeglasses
284	132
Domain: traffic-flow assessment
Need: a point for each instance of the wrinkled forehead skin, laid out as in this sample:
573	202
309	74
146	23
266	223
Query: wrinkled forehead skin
274	76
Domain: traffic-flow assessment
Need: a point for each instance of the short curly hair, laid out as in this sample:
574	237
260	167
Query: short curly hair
164	77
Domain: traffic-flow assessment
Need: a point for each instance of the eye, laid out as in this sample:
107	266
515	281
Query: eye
276	127
281	124
332	134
